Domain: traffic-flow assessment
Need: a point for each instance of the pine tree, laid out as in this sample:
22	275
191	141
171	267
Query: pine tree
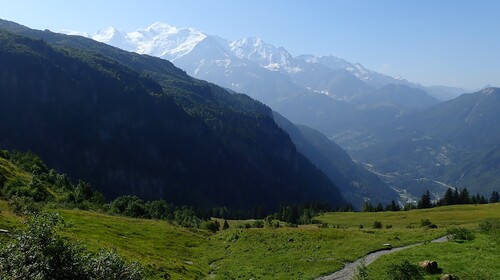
464	197
367	207
447	198
474	199
456	197
494	197
425	201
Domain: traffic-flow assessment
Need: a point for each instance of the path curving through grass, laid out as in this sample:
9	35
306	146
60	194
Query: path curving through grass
349	270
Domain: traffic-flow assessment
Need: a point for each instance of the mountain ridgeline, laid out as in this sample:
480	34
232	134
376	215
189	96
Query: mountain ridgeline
134	124
455	142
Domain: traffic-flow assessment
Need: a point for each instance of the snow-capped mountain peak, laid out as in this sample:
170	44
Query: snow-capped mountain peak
201	54
112	36
266	55
106	34
159	39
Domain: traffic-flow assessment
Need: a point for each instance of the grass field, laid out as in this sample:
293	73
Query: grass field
267	253
477	259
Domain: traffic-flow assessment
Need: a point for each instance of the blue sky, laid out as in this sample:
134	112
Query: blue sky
445	42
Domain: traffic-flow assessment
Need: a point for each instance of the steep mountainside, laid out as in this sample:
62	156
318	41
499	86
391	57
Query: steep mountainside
455	142
355	182
132	124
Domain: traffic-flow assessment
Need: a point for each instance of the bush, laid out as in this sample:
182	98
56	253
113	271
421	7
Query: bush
377	224
404	270
187	217
226	225
212	226
489	226
460	234
40	253
424	223
18	188
258	224
128	205
24	205
427	223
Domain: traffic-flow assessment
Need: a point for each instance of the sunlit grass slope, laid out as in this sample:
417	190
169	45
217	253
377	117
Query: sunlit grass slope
477	259
268	253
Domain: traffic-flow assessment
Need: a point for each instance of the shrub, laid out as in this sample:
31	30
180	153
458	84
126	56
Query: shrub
212	226
427	223
424	223
187	217
17	187
489	226
269	221
226	225
460	234
24	205
40	253
377	224
404	270
258	224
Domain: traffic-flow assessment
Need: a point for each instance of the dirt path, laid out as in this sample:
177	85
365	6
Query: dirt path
349	270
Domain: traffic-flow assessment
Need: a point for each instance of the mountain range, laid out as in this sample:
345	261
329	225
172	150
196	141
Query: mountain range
135	124
361	109
180	45
334	98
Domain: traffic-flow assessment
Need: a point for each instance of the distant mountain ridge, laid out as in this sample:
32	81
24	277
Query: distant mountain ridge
355	106
172	43
452	143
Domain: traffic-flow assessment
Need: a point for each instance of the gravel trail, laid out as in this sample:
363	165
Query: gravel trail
349	270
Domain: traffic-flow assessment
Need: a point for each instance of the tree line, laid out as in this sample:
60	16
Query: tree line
450	197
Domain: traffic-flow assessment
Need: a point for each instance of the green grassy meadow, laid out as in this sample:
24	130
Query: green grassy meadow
477	259
166	250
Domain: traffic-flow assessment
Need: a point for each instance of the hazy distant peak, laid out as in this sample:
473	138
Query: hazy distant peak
490	91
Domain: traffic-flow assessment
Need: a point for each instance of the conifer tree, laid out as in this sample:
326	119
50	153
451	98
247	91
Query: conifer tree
494	197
